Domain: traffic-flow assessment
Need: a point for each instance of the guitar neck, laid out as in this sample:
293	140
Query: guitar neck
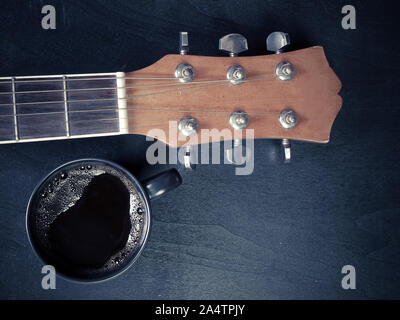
35	108
153	100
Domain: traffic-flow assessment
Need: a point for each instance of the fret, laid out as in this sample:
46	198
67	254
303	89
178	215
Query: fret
40	114
83	103
14	109
66	106
62	106
7	126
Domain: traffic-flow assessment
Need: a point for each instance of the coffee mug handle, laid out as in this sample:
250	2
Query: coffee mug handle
162	183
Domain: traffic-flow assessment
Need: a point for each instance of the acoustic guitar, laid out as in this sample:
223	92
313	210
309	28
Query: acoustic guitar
285	95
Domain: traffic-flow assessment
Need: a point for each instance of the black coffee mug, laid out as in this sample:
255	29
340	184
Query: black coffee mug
90	218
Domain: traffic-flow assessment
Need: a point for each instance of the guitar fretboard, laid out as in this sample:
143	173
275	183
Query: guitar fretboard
62	106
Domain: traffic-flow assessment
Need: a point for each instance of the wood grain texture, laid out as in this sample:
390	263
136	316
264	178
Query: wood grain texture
312	94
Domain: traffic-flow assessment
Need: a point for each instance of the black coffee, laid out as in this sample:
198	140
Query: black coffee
90	217
96	226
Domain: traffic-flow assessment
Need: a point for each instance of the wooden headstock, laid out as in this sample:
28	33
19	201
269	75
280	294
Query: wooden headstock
155	97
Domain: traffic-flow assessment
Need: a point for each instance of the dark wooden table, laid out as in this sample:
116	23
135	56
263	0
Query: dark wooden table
283	232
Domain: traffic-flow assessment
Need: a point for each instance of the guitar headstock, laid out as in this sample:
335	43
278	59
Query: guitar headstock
290	95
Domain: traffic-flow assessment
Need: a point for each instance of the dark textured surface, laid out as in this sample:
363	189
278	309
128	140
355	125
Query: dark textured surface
283	232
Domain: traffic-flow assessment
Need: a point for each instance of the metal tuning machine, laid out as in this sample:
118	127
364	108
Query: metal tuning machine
234	44
278	42
187	125
184	72
239	120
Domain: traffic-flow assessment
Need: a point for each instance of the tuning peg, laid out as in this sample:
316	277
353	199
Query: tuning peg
183	42
286	149
238	120
189	155
277	41
188	127
184	72
234	43
234	155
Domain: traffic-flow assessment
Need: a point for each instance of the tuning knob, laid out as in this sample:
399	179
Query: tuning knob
287	150
234	43
183	42
278	41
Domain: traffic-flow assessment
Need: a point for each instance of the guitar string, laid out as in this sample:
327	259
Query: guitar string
116	109
158	109
141	95
78	135
74	122
116	88
69	78
152	126
60	79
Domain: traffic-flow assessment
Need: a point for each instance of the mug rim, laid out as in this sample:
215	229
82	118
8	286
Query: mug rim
133	259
